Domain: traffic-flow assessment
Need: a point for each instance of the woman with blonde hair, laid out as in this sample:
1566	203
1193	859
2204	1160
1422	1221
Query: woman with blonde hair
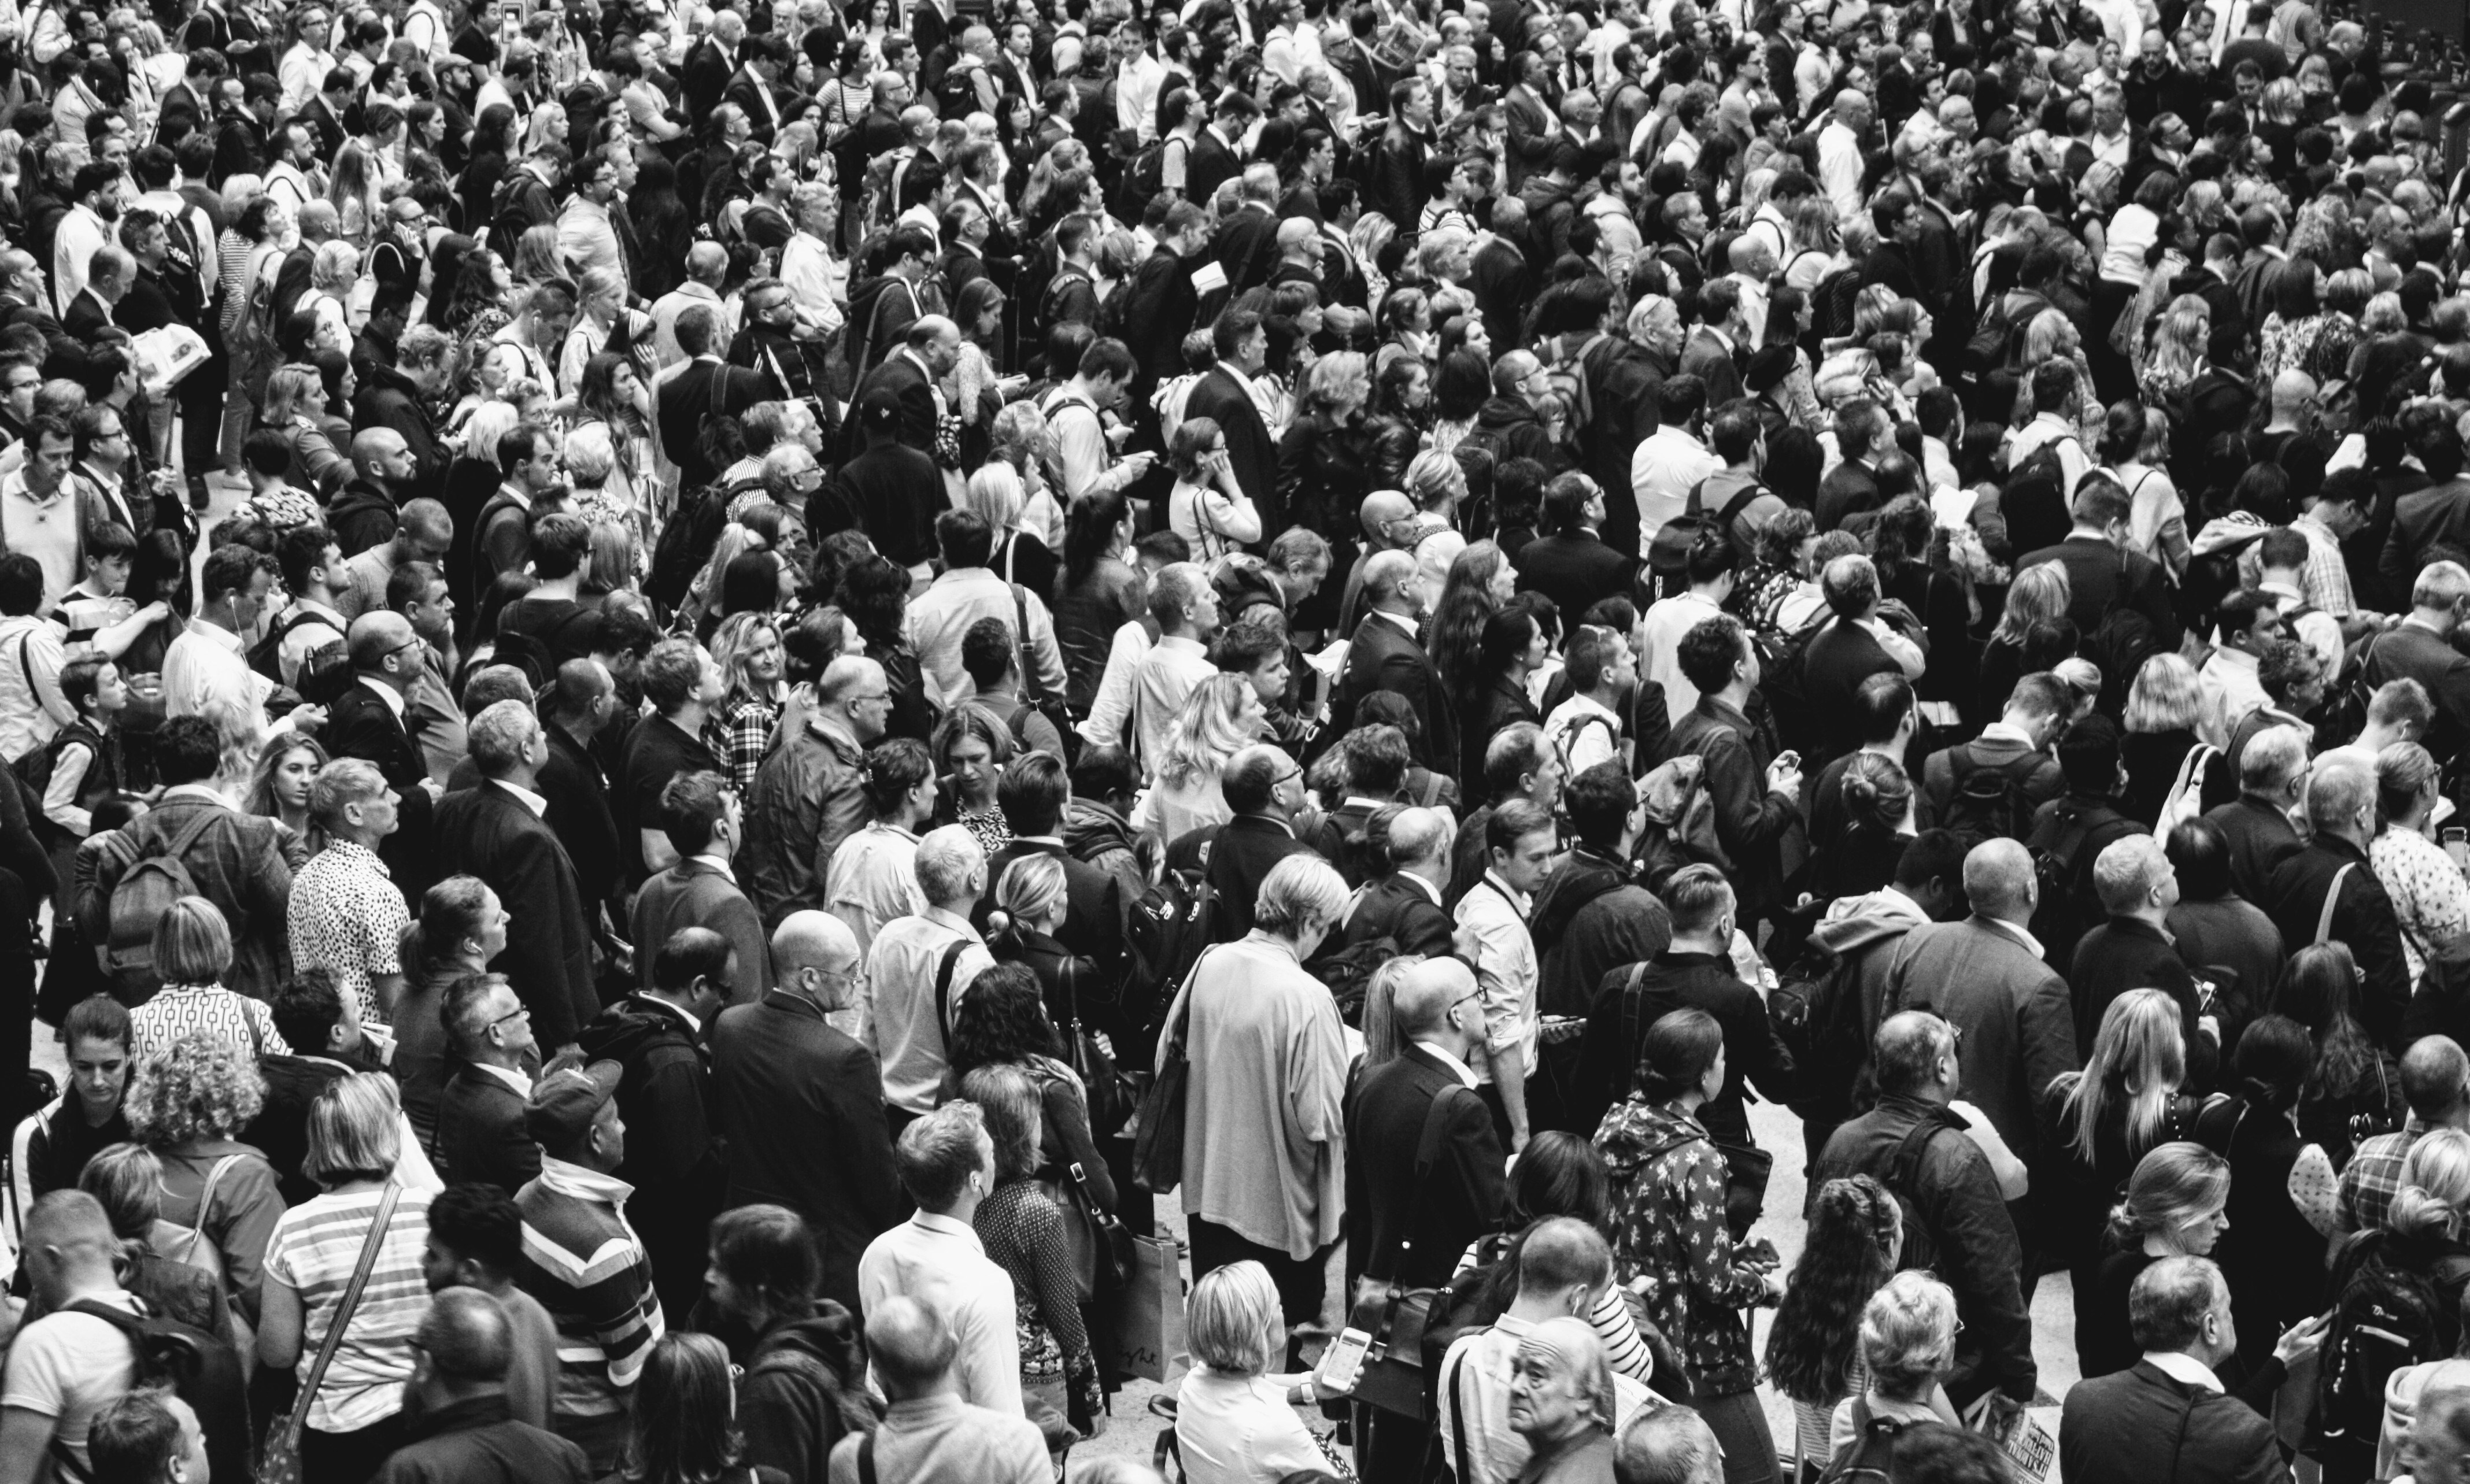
1233	1423
2037	594
747	648
354	1418
996	493
2176	1204
2178	353
2422	1232
296	406
334	272
189	1104
2165	704
1222	717
1322	453
600	299
1907	1347
2429	896
356	191
280	773
128	1180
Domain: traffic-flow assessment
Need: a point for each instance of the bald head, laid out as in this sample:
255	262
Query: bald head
2291	392
1419	837
912	1347
426	522
707	263
1998	880
378	636
813	940
1380	509
931	330
1428	993
1390	582
318	221
467	1339
372	447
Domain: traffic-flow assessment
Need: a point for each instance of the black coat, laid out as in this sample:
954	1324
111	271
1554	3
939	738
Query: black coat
1751	820
2430	659
387	398
360	724
1241	855
1577	570
1616	1026
1399	909
2123	954
1840	657
2101	577
665	1094
1409	1213
1385	656
1093	921
2362	918
480	1134
906	379
487	832
475	1442
800	1105
693	395
2125	1425
893	492
1249	448
2260	838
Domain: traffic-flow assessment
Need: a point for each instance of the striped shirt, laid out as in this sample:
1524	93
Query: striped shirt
590	1271
186	1010
313	1250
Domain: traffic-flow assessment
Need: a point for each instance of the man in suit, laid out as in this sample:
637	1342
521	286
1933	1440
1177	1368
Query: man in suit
1247	242
1215	156
2328	891
1398	169
1404	904
2255	826
1161	300
1719	333
480	1137
1264	788
704	388
710	62
1034	792
1535	131
2104	571
496	832
762	61
2420	648
1858	641
235	861
705	820
109	274
1863	432
1224	396
579	705
367	721
911	373
801	1104
2010	1009
2438	515
1574	567
891	491
2170	1404
1424	1175
1499	276
1388	654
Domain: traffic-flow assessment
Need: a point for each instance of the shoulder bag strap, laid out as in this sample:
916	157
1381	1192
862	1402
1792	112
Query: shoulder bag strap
343	1313
1031	689
205	1202
1457	1416
943	988
1179	1014
866	1459
2332	900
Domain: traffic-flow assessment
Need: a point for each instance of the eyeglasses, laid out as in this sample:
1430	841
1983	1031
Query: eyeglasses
884	696
519	1010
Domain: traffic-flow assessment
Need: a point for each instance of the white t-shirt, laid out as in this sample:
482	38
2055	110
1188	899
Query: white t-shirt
67	1367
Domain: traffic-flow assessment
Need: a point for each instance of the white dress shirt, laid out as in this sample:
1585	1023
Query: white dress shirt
941	1262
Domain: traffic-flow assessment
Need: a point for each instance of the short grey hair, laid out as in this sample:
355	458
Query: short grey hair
2166	1308
946	859
1908	1335
1300	889
339	785
1421	835
2273	757
2123	874
501	737
2337	793
1997	876
845	674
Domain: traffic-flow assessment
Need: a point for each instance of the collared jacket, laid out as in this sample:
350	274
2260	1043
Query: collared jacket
1668	1235
806	800
475	1441
1409	1220
2009	1008
1617	1027
1751	819
1590	918
2363	918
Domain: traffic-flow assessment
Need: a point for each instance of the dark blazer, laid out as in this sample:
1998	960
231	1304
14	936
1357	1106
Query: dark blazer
1751	820
2420	521
1577	571
489	833
2122	1427
1433	1213
906	379
87	317
2009	1010
1849	490
687	398
1210	163
747	90
1383	656
893	492
1616	1026
2101	577
1094	920
1498	275
480	1134
2430	659
1249	448
692	893
705	76
2260	838
577	792
801	1106
476	1442
360	724
1706	358
1159	311
1241	855
1246	246
2125	954
1400	909
1840	657
2362	918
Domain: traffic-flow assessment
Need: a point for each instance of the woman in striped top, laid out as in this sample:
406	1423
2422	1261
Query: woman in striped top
354	1417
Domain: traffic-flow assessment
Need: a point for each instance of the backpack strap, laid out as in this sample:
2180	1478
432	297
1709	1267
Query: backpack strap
943	968
2332	900
866	1459
1457	1416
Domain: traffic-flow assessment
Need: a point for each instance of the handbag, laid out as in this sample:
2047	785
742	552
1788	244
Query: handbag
280	1462
1100	1246
1395	1316
1104	1089
1158	1148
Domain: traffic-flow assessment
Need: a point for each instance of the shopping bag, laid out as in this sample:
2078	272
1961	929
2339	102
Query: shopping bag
1150	1340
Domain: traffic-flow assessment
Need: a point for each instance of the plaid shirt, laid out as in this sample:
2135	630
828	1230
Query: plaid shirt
2373	1175
2326	581
740	736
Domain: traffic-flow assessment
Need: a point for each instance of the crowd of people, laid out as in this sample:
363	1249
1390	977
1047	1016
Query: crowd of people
696	697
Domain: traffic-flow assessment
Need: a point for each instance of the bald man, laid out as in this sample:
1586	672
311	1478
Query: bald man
929	1434
384	473
801	1104
706	265
1386	653
1388	516
1401	907
459	1389
368	720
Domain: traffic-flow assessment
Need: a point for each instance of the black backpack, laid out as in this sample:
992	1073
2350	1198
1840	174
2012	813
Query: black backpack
1668	551
200	1369
1165	933
1989	803
1785	689
1997	344
2388	1316
325	671
2063	845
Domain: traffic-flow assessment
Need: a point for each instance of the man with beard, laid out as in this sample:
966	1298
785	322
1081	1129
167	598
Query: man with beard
395	397
363	514
791	353
95	196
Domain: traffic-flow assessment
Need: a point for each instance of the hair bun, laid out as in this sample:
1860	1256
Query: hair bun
998	922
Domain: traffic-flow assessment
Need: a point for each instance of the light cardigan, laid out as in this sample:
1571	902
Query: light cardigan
1263	1138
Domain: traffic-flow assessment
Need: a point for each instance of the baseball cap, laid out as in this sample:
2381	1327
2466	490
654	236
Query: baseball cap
565	1103
882	409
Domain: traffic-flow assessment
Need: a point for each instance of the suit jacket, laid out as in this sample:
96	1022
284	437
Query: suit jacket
2430	659
2420	521
688	397
1498	275
705	76
906	379
1383	656
1405	1218
1094	920
1751	820
1241	855
1247	246
2121	1425
2362	918
1209	164
1711	361
1398	171
1840	657
746	90
1159	311
88	316
1249	448
801	1106
2010	1011
480	1135
360	724
695	893
2124	954
2260	838
1534	133
2102	577
1399	909
1576	572
489	833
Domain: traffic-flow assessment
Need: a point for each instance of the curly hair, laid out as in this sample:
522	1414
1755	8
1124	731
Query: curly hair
1003	1019
202	1087
1855	1233
1454	637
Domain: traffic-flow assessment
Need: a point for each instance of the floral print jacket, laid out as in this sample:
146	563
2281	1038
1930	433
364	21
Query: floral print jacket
1670	1240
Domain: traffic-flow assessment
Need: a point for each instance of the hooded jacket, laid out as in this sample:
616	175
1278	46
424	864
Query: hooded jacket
1858	936
362	516
1667	1186
1508	427
1588	919
797	1399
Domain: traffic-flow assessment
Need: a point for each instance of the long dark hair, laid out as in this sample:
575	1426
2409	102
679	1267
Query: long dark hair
1088	532
1850	1250
2319	989
1003	1019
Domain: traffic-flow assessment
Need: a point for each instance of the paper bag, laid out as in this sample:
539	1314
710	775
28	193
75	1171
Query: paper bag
1152	1335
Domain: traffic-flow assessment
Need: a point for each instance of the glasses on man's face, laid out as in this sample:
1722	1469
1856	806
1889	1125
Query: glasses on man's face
517	1011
